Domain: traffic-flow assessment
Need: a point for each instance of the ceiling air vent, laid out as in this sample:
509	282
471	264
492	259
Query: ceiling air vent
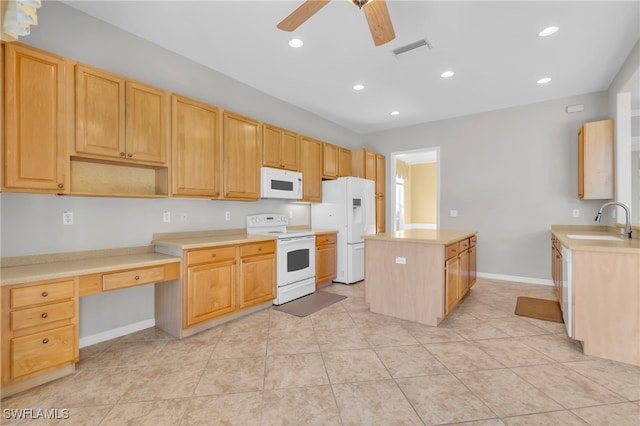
412	46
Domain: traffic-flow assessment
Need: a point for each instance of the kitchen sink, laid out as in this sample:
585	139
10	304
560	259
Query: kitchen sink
593	237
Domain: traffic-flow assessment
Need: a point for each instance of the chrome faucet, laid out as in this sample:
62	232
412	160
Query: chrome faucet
627	225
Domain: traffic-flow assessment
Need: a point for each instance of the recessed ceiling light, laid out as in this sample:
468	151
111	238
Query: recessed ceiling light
395	112
544	80
447	74
358	87
295	43
548	31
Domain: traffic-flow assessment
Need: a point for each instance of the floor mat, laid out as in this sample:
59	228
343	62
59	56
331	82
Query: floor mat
548	310
309	304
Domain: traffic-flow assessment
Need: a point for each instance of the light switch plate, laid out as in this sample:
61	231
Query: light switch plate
67	218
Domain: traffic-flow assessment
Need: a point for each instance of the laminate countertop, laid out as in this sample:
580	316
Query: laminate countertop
620	245
425	236
27	269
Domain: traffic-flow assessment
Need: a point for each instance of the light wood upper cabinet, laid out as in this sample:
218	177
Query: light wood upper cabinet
37	123
344	162
311	168
241	150
280	148
329	161
595	161
196	150
380	175
120	119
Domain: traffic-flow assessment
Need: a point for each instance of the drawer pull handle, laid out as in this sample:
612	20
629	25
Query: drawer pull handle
60	186
44	315
137	277
45	341
45	294
259	248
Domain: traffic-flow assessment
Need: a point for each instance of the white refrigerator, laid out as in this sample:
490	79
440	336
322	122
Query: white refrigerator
348	205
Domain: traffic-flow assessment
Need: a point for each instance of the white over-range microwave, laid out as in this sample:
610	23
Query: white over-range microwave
276	183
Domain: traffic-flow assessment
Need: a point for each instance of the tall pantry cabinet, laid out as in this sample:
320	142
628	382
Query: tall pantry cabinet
370	165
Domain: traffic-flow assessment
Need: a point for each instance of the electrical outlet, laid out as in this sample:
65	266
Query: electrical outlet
67	218
453	213
290	214
166	217
227	215
401	260
576	213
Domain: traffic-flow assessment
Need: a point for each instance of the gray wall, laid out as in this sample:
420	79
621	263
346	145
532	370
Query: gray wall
510	174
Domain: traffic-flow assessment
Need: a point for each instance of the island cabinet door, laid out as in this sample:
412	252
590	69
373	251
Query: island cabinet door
452	283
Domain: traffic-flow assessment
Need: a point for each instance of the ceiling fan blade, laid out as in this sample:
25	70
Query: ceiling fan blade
379	22
305	11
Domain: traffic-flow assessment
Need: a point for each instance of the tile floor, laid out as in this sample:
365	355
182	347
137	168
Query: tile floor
344	365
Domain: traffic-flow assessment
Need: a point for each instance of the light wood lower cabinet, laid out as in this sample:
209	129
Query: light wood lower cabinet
39	328
325	258
218	284
460	271
556	267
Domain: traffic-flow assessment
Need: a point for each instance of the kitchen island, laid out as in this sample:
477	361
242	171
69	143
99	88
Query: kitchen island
419	274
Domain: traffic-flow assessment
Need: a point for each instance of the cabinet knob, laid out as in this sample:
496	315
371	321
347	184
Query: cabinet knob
137	277
44	315
129	155
45	294
213	255
259	248
122	154
60	185
45	341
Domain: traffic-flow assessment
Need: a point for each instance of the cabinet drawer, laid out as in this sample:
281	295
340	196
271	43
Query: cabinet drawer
210	255
40	315
39	351
22	297
451	251
325	239
132	278
463	244
472	241
260	248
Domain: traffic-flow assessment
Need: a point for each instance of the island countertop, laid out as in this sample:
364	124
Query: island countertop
426	236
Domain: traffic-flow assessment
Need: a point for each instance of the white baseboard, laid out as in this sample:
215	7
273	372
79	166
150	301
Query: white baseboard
116	332
526	280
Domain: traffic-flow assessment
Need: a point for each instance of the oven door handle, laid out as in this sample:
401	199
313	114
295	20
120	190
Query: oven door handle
294	240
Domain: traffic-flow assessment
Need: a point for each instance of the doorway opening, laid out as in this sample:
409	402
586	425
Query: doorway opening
415	196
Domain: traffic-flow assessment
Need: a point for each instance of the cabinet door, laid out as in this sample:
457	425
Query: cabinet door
196	154
380	214
210	291
370	166
452	283
257	280
472	267
380	175
290	151
325	263
271	146
311	168
37	115
147	123
344	162
595	161
464	274
242	151
100	112
329	161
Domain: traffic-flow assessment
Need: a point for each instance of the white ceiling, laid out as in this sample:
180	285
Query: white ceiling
492	47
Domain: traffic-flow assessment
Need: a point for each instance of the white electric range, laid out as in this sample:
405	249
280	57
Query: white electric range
295	253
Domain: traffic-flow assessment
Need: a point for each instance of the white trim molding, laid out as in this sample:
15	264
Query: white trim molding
116	332
513	278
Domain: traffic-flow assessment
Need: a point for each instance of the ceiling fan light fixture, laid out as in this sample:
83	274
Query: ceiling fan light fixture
360	3
295	43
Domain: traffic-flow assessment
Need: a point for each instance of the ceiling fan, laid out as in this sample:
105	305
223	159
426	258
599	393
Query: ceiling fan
375	11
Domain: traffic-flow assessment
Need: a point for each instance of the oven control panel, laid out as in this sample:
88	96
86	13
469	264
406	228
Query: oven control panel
260	220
